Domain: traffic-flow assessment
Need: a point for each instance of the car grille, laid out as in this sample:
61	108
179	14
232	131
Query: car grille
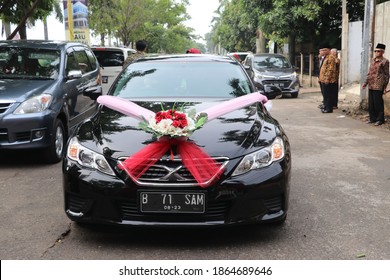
215	210
5	106
274	204
76	203
279	83
24	136
3	135
170	173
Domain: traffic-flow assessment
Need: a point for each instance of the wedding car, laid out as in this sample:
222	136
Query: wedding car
179	140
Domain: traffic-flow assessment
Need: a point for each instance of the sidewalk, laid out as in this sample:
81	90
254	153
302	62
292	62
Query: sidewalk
349	102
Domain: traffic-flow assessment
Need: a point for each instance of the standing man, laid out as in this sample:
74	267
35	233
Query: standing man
377	80
141	48
336	96
328	80
321	57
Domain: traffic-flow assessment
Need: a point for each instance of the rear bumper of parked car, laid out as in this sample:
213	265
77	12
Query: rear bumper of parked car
255	197
29	131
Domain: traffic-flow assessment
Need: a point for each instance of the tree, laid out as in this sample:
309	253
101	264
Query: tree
21	12
101	15
159	22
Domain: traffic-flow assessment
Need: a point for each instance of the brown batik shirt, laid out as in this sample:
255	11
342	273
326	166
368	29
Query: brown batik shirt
378	74
328	71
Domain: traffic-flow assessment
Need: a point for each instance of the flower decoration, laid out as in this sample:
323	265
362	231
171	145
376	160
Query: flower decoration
172	128
174	123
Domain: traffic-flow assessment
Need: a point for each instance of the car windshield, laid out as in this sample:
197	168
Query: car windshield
182	79
261	62
28	63
108	58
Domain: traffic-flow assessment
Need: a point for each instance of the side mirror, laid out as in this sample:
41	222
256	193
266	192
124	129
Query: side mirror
74	74
93	92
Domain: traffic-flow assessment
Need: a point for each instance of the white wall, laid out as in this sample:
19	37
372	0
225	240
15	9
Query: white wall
355	50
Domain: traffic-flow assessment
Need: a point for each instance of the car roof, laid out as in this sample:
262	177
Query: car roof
104	48
43	44
269	54
187	57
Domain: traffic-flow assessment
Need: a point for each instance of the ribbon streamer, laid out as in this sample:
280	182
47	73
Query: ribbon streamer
204	168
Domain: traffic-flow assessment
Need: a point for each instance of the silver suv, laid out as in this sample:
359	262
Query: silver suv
46	89
111	60
273	70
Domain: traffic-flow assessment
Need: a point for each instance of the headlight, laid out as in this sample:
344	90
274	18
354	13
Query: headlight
88	158
290	76
258	76
261	158
35	104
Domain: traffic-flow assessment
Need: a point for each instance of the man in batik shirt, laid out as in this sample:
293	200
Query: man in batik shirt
328	78
377	80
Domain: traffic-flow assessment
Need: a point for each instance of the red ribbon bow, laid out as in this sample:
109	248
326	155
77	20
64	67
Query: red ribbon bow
204	168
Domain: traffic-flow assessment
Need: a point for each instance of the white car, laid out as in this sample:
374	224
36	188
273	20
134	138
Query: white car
111	60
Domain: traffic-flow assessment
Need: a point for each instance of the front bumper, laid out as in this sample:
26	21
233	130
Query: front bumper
93	197
28	131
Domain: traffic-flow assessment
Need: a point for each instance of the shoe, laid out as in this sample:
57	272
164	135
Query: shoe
325	111
369	122
378	123
321	106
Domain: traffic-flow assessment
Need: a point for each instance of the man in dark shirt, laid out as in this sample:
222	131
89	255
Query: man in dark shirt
141	48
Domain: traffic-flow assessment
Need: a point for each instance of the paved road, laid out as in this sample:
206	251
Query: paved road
339	204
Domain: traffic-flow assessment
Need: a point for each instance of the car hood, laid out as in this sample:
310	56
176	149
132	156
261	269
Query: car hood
230	135
277	72
20	89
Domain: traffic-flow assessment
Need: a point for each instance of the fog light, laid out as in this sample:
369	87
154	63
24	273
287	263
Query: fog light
38	134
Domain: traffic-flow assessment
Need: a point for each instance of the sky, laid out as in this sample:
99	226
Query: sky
201	12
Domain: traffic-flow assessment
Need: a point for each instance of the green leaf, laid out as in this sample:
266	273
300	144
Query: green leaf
360	255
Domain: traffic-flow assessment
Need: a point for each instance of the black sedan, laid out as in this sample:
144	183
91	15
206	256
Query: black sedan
226	161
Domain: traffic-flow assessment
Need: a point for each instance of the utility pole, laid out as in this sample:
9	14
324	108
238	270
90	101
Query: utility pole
344	44
368	42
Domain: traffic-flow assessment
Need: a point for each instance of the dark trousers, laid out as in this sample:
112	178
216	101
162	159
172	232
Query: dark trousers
336	96
376	107
322	92
330	91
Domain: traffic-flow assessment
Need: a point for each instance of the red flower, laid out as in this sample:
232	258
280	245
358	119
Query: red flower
179	120
161	115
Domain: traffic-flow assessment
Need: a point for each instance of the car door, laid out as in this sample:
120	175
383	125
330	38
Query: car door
82	73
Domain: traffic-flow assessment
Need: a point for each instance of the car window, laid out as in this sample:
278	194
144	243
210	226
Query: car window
83	61
29	63
271	62
108	58
71	63
92	59
176	79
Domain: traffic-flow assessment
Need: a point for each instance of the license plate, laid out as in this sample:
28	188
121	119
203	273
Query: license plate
281	85
172	202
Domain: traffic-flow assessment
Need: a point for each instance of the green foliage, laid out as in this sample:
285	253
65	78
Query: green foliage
314	21
159	22
15	11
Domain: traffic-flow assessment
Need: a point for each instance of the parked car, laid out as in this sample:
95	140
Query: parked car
111	60
46	89
240	56
246	148
273	70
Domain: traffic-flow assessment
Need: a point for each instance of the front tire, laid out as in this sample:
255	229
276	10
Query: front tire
55	151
